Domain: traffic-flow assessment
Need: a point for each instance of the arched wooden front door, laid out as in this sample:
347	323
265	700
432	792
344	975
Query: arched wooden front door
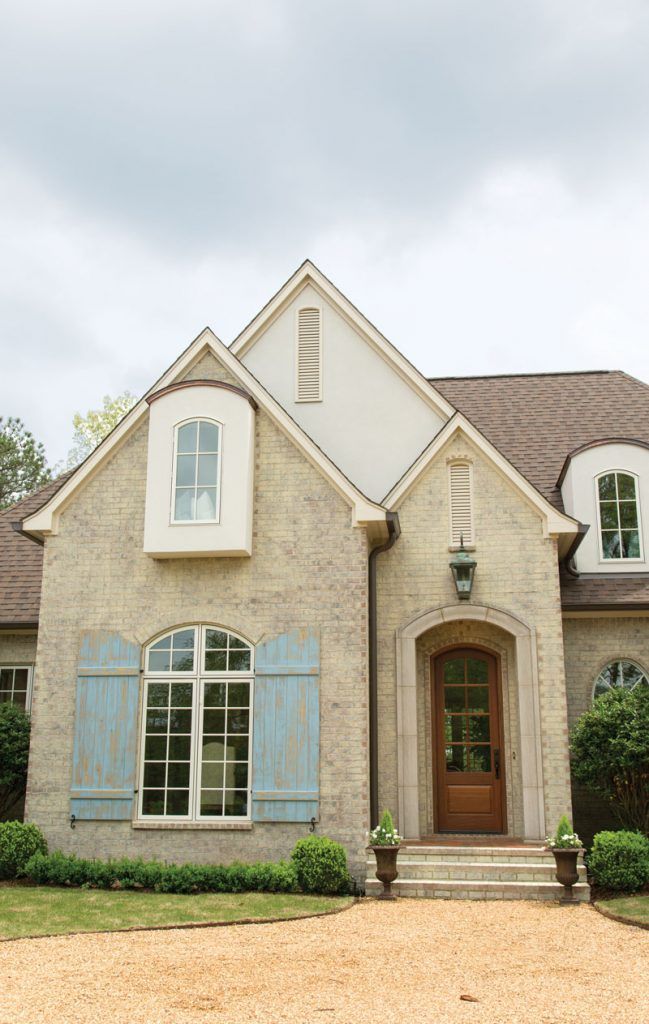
467	742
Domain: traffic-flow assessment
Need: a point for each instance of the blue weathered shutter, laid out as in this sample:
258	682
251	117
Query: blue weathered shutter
105	737
286	729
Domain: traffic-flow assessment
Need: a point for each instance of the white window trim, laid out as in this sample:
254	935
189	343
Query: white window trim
310	305
469	542
30	680
196	522
610	661
196	677
619	561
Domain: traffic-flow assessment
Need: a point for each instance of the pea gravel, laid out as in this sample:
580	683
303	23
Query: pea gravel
408	961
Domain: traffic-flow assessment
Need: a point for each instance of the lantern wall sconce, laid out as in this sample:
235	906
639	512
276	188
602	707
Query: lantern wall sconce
463	568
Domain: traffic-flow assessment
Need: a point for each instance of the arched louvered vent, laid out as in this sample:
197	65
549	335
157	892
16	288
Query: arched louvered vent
308	386
461	503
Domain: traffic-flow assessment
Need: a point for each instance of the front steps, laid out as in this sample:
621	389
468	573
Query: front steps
478	872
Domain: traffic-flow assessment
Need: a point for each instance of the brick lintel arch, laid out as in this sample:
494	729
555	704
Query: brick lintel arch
528	709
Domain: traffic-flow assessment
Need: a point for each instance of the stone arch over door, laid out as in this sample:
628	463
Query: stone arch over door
531	765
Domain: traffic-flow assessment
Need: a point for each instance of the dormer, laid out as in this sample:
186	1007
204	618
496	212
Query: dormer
199	487
606	484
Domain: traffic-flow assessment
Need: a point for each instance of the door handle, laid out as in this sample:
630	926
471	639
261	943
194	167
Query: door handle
497	763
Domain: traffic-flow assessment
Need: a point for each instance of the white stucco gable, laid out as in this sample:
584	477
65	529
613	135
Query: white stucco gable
373	412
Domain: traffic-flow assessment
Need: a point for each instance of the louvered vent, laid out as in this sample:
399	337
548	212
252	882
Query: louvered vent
309	356
461	511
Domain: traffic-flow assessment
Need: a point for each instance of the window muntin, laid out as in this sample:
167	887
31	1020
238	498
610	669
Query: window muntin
620	674
196	734
16	685
619	516
197	465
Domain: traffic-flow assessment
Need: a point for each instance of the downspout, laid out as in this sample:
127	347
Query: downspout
567	560
394	531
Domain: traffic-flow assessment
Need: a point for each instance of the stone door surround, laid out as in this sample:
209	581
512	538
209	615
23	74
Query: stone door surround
531	764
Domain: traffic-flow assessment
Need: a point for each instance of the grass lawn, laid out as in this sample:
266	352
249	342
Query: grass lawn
41	910
631	908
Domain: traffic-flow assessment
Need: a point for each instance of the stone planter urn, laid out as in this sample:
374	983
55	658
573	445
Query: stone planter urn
386	869
567	873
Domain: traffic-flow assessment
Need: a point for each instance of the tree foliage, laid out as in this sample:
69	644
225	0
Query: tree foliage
23	466
14	754
610	753
91	429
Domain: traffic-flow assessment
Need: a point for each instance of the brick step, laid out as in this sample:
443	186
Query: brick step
464	889
473	854
523	871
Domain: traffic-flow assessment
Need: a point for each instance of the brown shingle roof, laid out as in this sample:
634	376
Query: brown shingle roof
21	561
621	592
536	420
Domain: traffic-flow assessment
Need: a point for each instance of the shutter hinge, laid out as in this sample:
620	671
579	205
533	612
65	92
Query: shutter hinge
312	825
73	819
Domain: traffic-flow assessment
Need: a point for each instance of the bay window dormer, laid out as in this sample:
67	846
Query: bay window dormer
200	462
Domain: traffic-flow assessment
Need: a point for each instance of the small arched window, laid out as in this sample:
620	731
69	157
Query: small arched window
620	674
619	516
196	727
197	472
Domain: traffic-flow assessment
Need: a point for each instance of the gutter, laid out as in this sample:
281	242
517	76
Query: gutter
567	560
18	527
394	532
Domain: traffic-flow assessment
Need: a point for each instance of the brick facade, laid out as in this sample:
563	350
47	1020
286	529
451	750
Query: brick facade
308	568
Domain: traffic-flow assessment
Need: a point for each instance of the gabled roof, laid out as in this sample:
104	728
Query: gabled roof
535	420
307	274
21	562
554	522
364	511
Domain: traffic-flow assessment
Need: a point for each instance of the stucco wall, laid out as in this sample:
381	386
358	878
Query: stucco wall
308	567
590	643
517	572
17	648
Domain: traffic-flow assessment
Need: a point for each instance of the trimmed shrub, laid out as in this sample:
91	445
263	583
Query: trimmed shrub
321	865
68	870
619	861
14	753
18	842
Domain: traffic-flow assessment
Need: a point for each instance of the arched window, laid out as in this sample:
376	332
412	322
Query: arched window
619	516
196	726
197	464
620	674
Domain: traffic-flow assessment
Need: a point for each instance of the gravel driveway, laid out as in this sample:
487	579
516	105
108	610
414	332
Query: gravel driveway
409	961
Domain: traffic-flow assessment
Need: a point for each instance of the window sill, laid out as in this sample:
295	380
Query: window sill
184	826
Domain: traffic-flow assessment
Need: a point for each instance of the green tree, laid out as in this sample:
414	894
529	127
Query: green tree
609	747
14	753
23	466
92	428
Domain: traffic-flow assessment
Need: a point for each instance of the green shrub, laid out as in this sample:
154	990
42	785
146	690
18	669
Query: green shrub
619	861
609	746
321	865
14	753
66	869
18	842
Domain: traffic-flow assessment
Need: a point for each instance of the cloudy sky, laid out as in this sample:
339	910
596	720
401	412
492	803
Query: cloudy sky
474	176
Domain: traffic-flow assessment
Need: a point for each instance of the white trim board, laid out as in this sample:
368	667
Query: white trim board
555	523
308	274
364	511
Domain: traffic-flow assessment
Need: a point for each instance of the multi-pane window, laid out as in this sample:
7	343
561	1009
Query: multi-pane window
620	674
197	472
619	518
16	685
196	726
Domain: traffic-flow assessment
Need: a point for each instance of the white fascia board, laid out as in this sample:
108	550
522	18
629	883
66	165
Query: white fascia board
364	512
308	273
555	523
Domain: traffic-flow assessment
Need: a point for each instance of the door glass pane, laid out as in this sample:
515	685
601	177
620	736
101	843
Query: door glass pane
456	759
454	728
479	759
477	698
454	670
479	729
477	670
454	698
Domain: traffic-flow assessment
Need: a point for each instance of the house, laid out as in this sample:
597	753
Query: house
237	620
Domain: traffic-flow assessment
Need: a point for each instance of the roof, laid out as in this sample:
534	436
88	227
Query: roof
21	561
604	591
535	420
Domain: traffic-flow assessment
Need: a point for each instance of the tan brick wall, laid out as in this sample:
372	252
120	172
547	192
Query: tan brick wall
589	644
517	572
309	567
